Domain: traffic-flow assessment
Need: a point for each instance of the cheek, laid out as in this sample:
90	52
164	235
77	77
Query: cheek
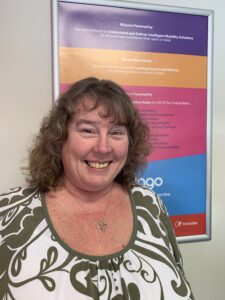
68	151
123	150
71	147
64	154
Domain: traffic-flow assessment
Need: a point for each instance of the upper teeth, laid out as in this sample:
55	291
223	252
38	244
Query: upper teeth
98	165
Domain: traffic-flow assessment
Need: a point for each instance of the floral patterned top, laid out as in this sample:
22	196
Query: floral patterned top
36	264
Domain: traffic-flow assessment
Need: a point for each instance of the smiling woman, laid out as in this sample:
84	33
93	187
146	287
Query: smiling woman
87	95
96	145
88	230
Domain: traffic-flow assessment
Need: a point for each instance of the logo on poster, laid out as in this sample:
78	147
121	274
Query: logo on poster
179	223
150	182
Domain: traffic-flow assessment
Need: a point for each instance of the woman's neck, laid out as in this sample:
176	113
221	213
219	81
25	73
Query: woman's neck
86	195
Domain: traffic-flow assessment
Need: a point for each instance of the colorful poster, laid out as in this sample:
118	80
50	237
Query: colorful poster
161	59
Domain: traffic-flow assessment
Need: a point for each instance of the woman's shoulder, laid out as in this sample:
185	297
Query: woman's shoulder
145	196
17	196
143	190
139	191
19	206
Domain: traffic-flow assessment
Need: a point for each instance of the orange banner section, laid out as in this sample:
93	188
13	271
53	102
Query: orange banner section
133	68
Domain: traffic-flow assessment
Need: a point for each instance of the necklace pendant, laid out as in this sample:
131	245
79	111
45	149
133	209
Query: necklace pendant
102	226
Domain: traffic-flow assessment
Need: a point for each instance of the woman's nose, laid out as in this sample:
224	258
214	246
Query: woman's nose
103	144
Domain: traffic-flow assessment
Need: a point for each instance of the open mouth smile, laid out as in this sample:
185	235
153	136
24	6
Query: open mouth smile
98	165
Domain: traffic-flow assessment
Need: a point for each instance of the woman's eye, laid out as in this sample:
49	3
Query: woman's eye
87	131
118	133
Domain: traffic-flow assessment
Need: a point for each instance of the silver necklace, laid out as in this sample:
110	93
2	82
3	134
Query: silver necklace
101	224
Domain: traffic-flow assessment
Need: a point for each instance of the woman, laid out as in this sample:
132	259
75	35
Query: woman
83	229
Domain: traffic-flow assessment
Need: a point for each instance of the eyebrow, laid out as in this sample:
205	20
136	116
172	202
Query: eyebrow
88	122
94	123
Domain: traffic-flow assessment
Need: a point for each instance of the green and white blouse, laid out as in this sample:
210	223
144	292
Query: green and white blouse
36	264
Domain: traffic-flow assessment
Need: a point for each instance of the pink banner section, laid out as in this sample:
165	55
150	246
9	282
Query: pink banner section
63	87
183	225
176	117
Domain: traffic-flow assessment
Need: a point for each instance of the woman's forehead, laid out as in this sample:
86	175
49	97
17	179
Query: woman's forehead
104	109
91	107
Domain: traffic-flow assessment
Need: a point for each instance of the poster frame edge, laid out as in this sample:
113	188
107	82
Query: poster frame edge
164	8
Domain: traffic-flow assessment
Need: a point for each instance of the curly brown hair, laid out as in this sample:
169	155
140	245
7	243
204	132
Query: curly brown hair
45	167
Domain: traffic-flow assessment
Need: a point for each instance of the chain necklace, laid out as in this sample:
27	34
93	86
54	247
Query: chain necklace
101	224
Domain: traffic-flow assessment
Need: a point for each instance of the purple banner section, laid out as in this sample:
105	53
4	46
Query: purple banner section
116	28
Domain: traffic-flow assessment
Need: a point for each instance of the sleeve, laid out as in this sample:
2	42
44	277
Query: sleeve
171	235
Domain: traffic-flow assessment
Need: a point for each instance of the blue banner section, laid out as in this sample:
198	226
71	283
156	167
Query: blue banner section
116	28
180	182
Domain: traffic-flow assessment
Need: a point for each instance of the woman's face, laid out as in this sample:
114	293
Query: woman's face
95	151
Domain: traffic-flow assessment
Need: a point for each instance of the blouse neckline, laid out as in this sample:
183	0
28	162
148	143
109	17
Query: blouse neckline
87	256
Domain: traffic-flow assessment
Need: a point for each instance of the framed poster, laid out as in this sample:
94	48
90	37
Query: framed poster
162	57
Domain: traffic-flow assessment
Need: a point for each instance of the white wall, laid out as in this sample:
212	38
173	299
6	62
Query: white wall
26	95
25	80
